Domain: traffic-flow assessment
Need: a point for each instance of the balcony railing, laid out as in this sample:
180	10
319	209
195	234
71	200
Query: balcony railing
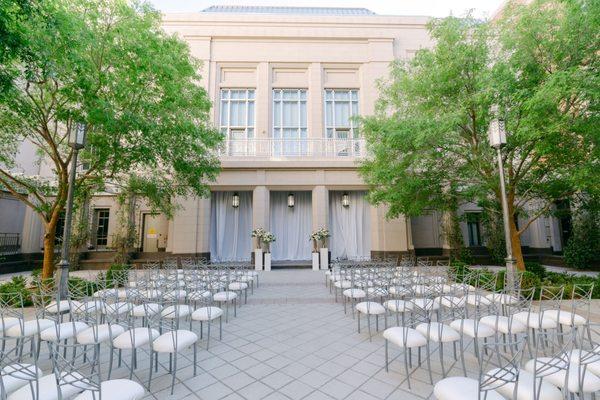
10	243
293	148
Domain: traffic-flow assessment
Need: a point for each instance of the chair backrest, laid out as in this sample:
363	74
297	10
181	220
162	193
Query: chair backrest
77	366
499	365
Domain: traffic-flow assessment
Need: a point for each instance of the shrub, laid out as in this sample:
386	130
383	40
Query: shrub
117	275
530	280
536	268
80	286
579	253
17	284
458	270
583	247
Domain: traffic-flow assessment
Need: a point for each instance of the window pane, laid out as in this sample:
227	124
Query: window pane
224	113
355	95
250	113
303	114
342	95
328	94
354	109
238	113
251	93
224	94
303	95
277	114
328	114
342	114
290	114
250	133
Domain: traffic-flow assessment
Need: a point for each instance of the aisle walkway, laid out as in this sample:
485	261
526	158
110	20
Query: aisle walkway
291	341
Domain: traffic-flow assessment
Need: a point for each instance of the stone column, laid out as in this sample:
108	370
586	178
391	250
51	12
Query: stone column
260	208
190	228
320	207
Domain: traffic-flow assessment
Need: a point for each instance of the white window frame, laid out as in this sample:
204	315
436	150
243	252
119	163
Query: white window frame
227	128
289	146
333	127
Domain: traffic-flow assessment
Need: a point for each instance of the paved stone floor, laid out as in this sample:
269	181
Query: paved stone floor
292	341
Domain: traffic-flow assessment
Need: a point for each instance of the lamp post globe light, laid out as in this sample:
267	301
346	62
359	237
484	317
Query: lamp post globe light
76	142
497	139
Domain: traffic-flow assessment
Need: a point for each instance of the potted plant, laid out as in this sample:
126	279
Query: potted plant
267	239
324	251
258	252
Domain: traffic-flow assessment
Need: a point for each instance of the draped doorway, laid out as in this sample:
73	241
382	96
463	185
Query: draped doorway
230	227
350	226
291	225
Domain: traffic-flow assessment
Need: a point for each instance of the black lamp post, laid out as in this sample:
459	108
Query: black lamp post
76	142
497	138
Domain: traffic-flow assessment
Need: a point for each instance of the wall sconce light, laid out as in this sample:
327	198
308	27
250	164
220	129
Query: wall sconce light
291	200
345	200
235	200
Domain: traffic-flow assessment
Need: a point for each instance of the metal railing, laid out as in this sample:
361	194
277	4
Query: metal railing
294	148
10	243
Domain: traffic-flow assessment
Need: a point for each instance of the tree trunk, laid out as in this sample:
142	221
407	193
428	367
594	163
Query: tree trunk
49	238
515	237
48	264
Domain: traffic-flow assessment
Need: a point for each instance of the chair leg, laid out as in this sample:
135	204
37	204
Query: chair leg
386	356
207	335
196	356
150	373
174	372
221	327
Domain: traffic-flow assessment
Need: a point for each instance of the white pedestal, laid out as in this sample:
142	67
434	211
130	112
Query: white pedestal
258	259
315	261
267	261
324	258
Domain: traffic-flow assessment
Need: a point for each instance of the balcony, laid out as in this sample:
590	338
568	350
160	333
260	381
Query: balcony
293	149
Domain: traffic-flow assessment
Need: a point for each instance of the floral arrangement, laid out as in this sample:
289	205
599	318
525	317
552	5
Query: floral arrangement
263	237
268	238
319	236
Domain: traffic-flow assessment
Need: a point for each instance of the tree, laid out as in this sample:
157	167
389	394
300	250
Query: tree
429	136
109	64
13	45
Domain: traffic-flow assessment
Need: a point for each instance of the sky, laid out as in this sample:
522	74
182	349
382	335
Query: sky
434	8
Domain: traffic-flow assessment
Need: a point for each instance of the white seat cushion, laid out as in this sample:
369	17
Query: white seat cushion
115	389
426	304
398	306
99	334
15	376
354	293
370	307
224	296
478	300
343	284
556	375
566	317
207	313
525	389
461	388
199	295
404	337
238	286
591	360
48	390
532	320
504	324
502	298
8	322
178	311
65	330
29	328
117	308
438	332
451	301
136	336
144	310
165	343
55	307
472	328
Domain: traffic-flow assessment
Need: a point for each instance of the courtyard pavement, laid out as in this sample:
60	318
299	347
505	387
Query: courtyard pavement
291	341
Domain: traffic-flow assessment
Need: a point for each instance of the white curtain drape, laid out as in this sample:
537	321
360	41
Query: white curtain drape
230	227
350	226
291	226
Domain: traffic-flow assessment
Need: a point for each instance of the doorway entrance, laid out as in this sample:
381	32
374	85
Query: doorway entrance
155	228
100	228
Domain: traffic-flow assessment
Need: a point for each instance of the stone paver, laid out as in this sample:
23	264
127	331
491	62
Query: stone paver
292	341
